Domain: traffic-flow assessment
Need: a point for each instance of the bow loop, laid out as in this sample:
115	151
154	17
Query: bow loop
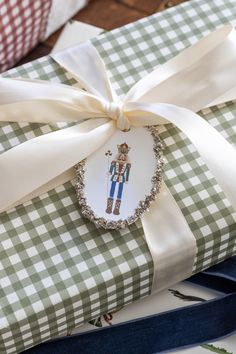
114	110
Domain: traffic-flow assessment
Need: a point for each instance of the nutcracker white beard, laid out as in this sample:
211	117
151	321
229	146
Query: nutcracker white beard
122	158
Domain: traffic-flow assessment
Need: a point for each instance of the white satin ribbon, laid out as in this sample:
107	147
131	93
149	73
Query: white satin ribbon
200	76
172	244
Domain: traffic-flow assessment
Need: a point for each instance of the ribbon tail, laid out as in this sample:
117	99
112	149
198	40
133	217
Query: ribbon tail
218	154
69	175
40	160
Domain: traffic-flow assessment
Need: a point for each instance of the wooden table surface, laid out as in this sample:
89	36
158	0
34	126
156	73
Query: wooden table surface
107	14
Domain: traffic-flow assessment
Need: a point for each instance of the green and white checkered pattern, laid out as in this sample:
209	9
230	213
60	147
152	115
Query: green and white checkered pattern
57	270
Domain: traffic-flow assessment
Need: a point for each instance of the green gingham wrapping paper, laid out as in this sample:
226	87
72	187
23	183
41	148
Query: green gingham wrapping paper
57	270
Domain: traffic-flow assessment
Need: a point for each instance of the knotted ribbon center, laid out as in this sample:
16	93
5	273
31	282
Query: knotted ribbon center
114	110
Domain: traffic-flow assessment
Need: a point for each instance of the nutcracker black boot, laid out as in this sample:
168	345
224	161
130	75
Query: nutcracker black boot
109	205
116	210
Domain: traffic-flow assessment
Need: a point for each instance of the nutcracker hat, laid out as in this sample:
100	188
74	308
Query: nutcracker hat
124	148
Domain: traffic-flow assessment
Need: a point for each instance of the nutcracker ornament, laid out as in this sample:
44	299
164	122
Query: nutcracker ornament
118	175
101	178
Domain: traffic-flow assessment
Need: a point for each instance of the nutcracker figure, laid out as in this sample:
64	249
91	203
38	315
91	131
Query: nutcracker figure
119	175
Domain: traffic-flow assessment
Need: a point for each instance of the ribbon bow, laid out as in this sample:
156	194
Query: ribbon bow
202	75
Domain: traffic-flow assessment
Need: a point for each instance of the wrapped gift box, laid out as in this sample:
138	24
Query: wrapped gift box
181	295
57	270
25	23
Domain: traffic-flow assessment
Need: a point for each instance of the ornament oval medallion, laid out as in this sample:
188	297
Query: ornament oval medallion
117	183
